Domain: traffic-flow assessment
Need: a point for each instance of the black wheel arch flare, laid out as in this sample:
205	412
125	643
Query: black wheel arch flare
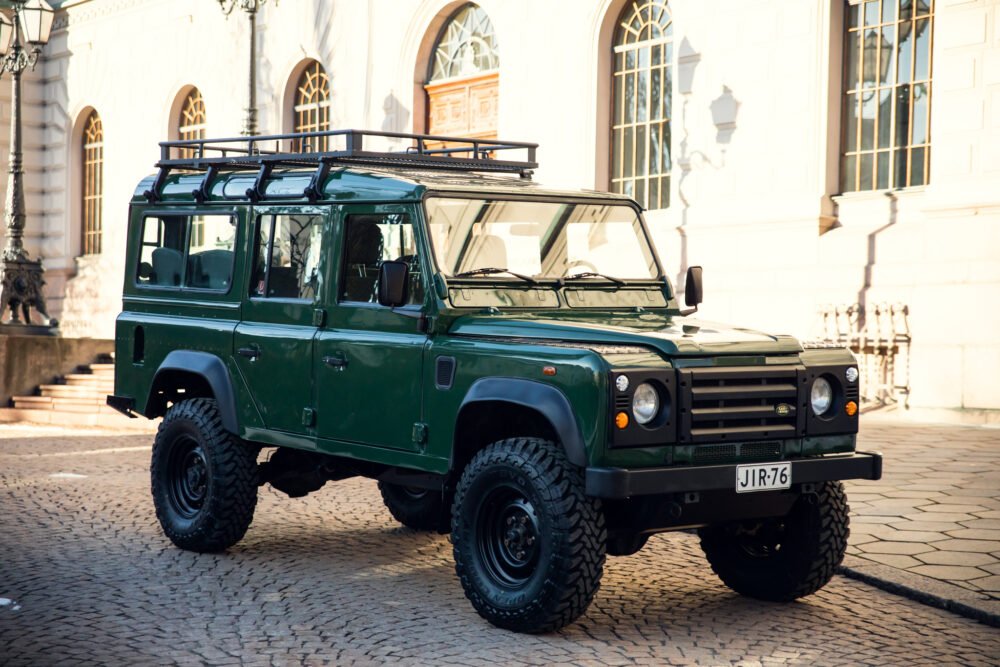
209	368
543	398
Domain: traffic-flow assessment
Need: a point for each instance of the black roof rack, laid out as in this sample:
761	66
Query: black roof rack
332	147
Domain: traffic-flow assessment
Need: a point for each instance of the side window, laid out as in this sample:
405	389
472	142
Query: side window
286	262
187	251
371	240
210	252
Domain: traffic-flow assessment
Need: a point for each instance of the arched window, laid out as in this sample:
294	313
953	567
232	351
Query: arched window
191	120
640	133
312	107
93	183
463	80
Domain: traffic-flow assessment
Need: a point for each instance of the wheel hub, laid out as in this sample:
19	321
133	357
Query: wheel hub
188	471
508	537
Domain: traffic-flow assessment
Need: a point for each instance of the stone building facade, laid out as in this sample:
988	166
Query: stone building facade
815	156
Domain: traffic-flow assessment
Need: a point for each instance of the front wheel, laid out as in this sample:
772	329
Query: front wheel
529	544
783	558
204	479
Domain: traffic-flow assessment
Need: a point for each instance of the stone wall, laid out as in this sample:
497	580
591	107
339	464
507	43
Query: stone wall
27	361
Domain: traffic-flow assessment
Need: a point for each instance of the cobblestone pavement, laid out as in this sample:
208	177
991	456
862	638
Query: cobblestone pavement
330	578
936	510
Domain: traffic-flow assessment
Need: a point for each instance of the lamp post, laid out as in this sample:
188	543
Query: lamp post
21	282
251	7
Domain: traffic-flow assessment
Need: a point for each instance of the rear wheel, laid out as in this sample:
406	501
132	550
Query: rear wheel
204	479
419	509
783	558
529	544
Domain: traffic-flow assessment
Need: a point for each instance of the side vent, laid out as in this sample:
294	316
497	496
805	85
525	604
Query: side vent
444	372
139	346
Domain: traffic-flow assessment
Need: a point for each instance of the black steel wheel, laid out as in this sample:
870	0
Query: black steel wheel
782	558
507	536
187	476
529	544
204	479
419	509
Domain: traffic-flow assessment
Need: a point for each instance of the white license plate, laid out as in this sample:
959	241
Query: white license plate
763	477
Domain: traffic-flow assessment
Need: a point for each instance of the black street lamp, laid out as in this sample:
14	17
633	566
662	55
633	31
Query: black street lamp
251	7
21	282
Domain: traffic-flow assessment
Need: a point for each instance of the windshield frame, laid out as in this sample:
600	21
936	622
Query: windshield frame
543	281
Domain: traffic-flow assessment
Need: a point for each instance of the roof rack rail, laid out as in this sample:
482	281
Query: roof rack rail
265	152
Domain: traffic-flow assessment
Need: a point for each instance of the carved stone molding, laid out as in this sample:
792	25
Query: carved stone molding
89	10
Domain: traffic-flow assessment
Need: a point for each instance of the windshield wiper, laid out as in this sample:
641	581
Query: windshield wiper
490	270
594	274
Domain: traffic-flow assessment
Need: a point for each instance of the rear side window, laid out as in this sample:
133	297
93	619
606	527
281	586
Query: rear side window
187	251
286	261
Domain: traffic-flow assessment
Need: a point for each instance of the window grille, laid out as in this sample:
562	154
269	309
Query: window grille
93	184
467	46
641	84
463	83
192	121
887	95
312	108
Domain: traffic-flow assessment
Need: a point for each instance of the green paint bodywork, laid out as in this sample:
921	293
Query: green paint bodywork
492	327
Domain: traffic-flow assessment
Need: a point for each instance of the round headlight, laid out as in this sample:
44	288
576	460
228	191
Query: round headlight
645	403
851	374
821	397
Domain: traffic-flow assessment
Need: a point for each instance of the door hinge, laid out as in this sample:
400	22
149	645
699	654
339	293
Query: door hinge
420	433
308	417
319	317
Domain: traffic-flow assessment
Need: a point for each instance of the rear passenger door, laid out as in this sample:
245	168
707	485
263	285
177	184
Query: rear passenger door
274	342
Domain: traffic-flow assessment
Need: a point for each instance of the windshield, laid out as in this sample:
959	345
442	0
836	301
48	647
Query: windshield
540	240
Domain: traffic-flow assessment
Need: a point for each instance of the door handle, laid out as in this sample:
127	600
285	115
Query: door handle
338	362
250	353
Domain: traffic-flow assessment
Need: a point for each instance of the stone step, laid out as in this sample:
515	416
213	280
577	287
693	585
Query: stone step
88	380
104	418
102	370
73	391
60	403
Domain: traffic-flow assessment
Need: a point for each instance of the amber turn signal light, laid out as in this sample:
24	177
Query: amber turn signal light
851	408
621	420
549	370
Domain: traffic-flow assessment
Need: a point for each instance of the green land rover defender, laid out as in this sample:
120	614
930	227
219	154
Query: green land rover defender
509	362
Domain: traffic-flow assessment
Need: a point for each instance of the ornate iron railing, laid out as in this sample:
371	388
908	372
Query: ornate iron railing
879	336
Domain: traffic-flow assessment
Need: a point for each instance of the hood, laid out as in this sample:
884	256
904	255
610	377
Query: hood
669	334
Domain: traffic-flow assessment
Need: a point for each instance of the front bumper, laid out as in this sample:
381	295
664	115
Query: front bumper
623	483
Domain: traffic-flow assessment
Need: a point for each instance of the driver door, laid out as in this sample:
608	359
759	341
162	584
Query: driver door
369	358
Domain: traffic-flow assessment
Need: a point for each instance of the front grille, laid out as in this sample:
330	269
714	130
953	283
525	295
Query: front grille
739	404
714	454
760	450
751	451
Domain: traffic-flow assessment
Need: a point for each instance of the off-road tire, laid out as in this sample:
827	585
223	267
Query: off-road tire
204	479
559	571
805	549
419	509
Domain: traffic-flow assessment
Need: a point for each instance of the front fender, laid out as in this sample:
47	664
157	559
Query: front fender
549	401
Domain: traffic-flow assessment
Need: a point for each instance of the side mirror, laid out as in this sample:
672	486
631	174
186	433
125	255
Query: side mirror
692	290
393	278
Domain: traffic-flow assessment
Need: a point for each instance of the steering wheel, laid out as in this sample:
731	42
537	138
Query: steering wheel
580	263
